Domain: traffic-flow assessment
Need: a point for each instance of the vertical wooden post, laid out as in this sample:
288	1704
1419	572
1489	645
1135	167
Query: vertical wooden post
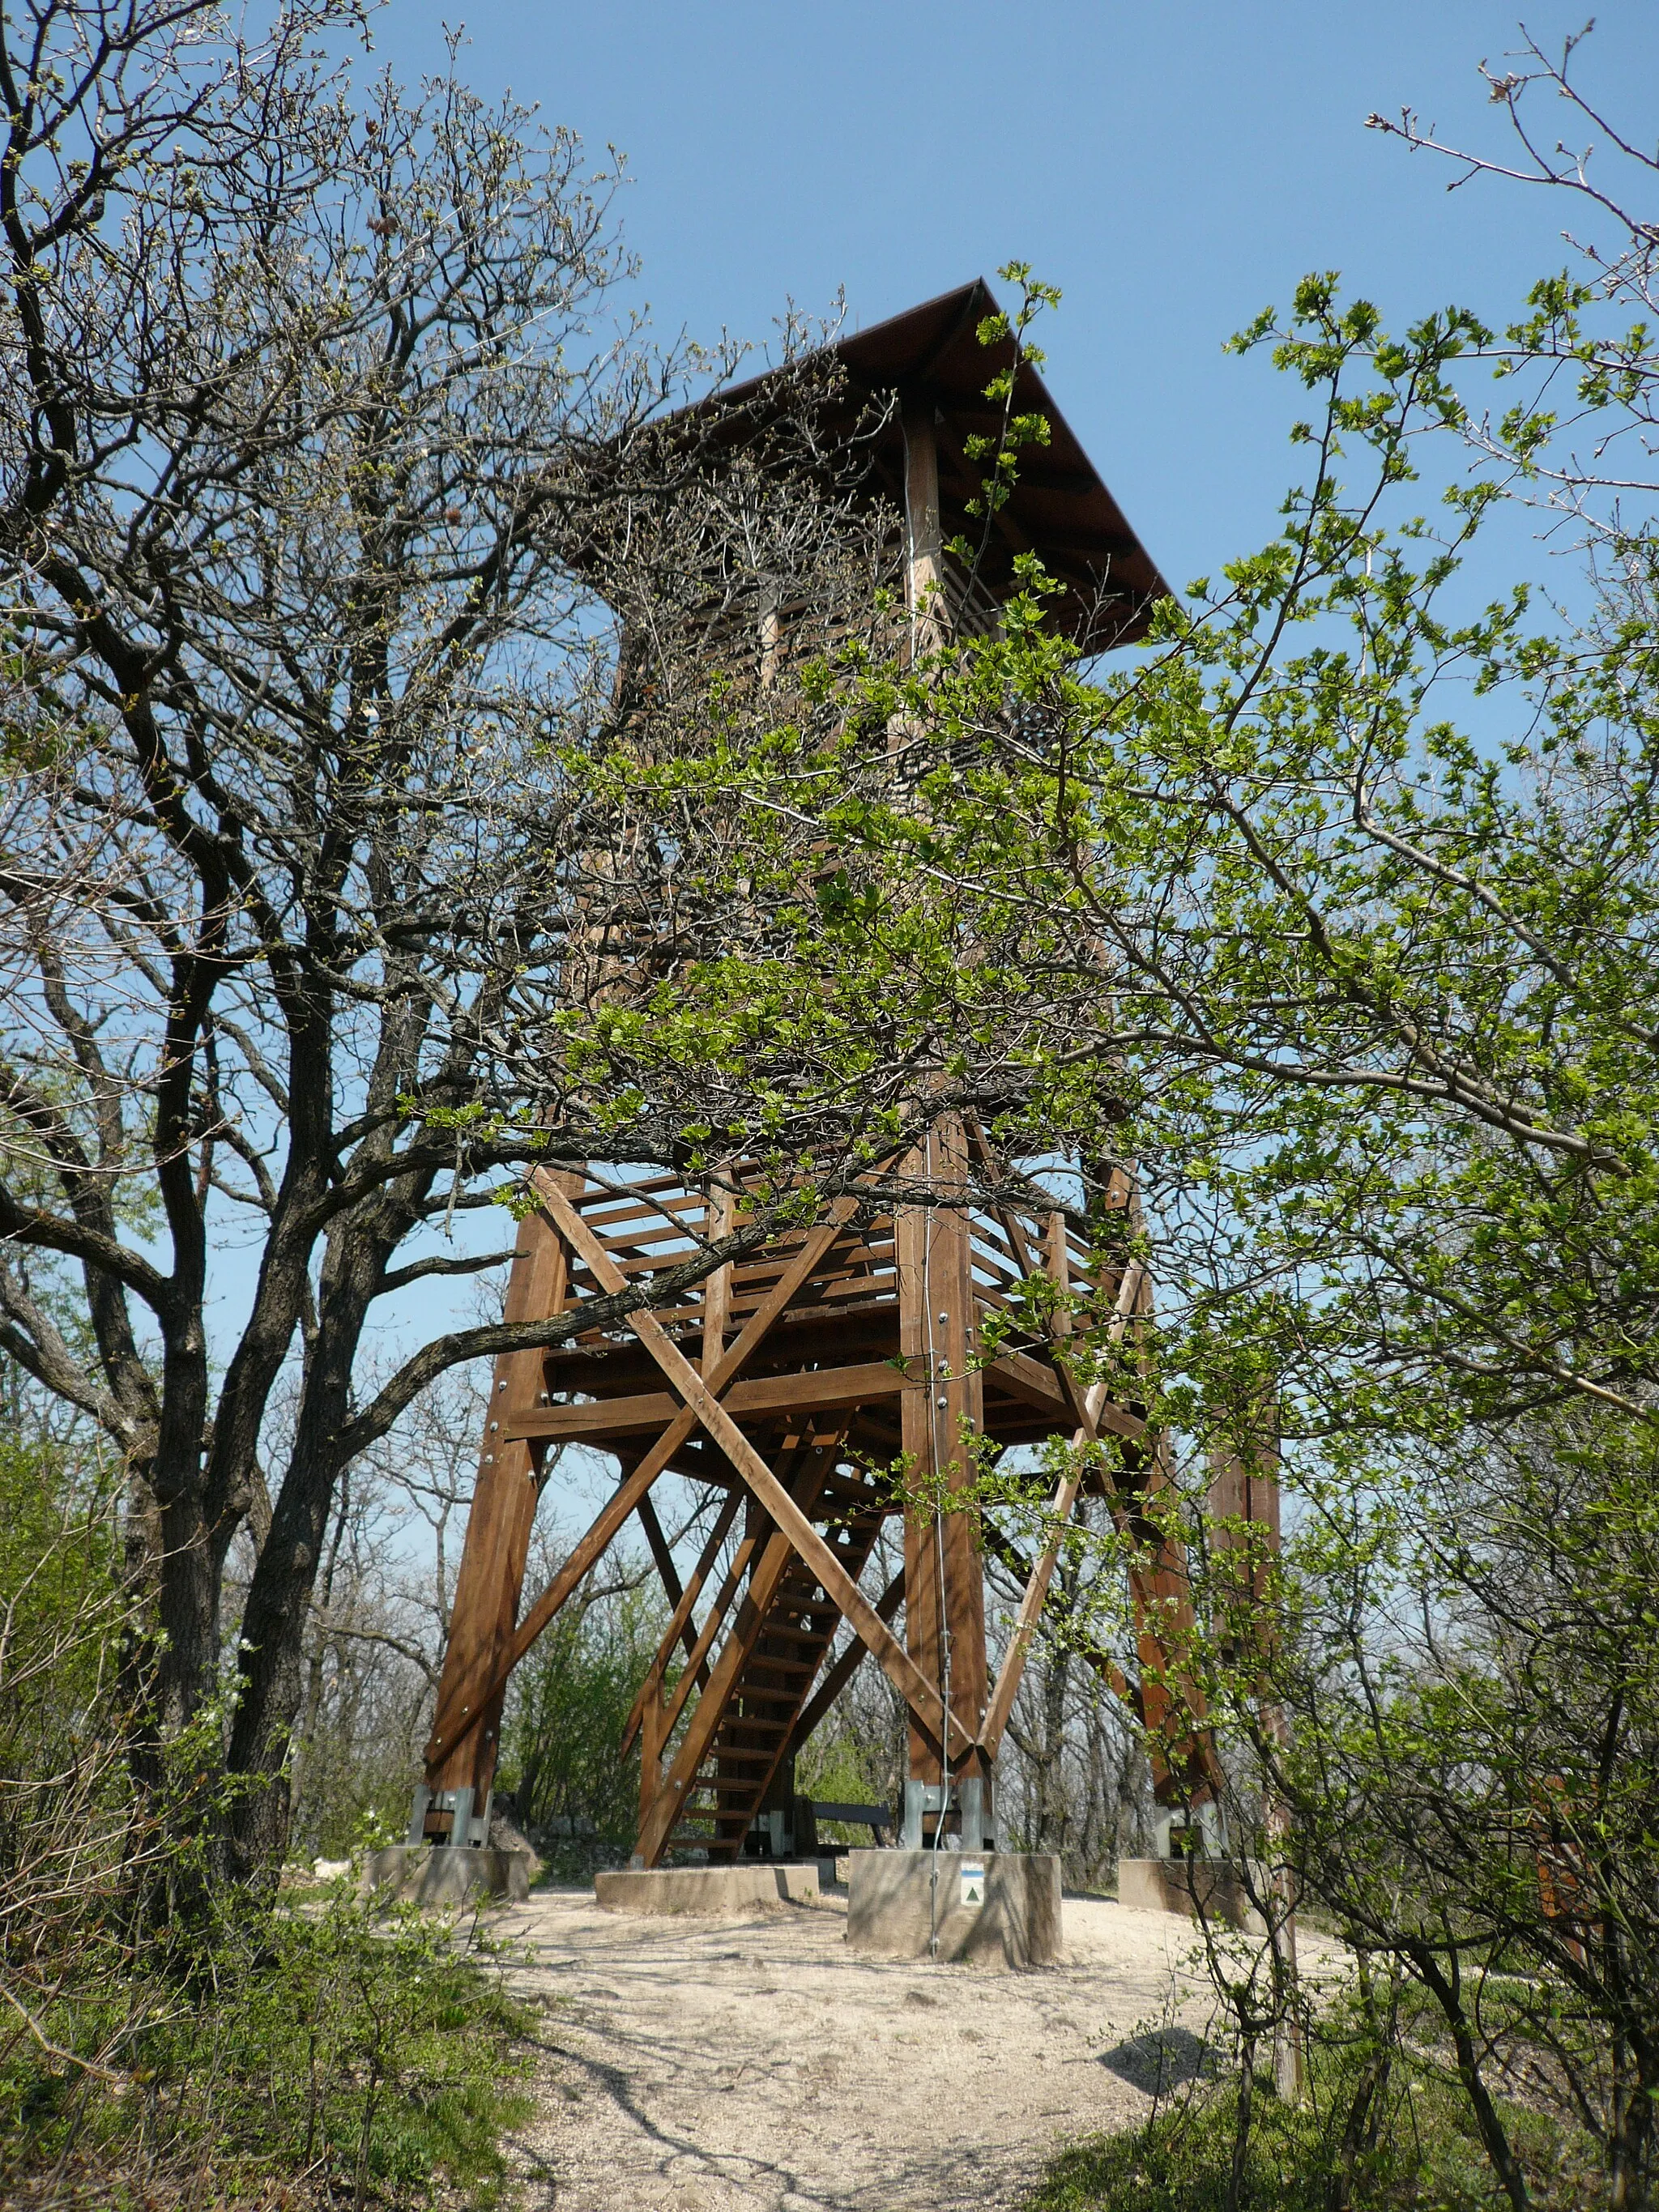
924	569
771	630
928	1254
945	1575
1057	1264
1244	1488
722	1219
490	1579
951	1275
922	1581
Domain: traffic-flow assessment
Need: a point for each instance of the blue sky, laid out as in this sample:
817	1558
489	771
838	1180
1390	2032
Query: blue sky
1173	167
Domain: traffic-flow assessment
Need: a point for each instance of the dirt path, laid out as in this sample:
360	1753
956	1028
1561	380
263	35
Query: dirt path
755	2065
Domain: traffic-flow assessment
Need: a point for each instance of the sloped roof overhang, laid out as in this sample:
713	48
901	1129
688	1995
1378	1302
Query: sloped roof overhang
1059	508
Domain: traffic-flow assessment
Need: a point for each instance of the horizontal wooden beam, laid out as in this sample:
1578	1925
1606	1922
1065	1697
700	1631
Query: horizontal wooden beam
768	1393
1028	1379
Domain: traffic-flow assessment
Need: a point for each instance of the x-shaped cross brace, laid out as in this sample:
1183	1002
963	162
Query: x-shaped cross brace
700	1405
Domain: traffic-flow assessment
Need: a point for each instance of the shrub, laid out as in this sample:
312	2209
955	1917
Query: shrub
247	2051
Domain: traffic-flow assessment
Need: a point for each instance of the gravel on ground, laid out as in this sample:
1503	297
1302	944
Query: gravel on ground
755	2064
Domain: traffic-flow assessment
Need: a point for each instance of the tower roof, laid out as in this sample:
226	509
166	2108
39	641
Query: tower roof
1060	509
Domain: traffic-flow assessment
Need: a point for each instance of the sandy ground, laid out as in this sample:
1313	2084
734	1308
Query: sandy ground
754	2064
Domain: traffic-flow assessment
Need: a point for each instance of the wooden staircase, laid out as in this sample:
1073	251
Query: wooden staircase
740	1729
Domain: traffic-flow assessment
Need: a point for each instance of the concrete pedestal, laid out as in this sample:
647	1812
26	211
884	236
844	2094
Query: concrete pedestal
751	1884
442	1876
1180	1885
1007	1914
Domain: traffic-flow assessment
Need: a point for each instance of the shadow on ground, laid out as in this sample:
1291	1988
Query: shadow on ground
1162	2059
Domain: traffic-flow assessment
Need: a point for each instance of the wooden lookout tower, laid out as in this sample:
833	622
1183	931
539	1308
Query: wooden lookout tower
783	1383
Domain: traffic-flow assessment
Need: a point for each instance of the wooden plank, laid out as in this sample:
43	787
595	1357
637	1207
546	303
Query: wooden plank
650	1263
906	1678
992	1259
689	1201
846	1294
855	1816
1000	1277
594	1194
767	1394
632	1259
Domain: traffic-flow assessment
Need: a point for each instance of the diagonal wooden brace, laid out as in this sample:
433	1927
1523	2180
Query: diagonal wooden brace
1089	1407
681	1624
704	1405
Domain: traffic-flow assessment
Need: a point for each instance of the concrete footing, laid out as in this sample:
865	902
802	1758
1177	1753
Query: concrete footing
440	1875
999	1910
1180	1885
711	1889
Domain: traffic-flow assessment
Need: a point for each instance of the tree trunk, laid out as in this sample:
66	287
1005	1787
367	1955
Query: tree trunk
1494	2137
272	1654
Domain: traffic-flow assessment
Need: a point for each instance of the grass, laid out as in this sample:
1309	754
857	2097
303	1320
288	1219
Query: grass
1426	2160
302	2059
